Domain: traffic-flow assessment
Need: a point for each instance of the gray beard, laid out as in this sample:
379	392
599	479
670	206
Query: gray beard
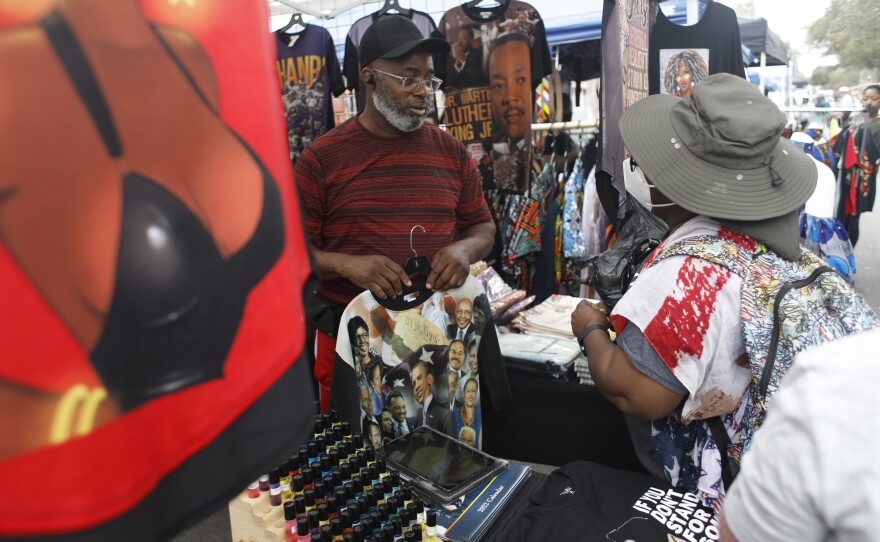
393	111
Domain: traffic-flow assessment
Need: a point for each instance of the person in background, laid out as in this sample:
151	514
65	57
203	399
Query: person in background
367	182
812	472
680	357
859	149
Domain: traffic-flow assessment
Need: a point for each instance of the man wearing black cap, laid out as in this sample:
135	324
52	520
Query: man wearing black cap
365	184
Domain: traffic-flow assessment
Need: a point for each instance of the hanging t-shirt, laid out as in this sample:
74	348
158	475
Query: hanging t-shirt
680	56
308	73
498	57
400	365
626	25
351	64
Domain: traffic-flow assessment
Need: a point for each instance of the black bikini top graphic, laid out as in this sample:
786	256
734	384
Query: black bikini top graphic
177	303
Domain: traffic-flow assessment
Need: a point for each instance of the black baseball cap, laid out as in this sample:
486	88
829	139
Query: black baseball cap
393	36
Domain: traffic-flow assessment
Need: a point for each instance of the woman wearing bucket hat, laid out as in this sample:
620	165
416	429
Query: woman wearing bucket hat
719	168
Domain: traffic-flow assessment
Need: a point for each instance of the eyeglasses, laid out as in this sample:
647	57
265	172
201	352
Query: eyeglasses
412	84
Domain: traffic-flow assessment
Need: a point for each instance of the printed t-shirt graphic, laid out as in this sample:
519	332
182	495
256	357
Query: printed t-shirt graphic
308	73
498	57
679	56
398	370
141	325
351	64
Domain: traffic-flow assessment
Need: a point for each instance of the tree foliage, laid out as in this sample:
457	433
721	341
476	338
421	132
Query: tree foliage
849	30
834	76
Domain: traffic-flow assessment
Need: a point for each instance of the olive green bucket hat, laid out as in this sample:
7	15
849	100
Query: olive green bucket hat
719	152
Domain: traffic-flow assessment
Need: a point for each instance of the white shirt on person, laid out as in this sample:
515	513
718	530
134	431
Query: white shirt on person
813	470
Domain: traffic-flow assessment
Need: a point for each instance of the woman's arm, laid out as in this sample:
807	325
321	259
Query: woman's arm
631	391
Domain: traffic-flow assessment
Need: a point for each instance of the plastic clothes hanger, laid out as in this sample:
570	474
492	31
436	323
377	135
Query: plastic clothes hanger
418	268
390	5
296	19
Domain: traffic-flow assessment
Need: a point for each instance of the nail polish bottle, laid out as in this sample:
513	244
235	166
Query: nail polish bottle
289	522
382	466
253	490
320	492
296	484
309	495
319	426
321	444
341	495
334	418
316	537
398	528
313	452
370	453
409	536
379	536
299	504
392	506
345	472
350	494
275	488
346	429
383	514
326	533
358	532
431	523
417	529
263	482
286	493
323	515
313	521
293	461
302	529
345	520
388	529
336	530
332	507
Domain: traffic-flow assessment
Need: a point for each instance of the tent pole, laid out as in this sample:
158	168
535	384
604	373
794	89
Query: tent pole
763	66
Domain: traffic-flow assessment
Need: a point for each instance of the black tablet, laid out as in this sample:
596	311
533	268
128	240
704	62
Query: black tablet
439	466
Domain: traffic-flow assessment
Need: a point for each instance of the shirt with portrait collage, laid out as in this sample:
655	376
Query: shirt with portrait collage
396	370
308	75
498	56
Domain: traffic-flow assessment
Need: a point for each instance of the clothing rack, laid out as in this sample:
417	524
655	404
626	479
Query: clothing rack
583	127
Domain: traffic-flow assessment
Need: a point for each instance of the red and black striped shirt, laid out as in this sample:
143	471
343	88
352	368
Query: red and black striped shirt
362	194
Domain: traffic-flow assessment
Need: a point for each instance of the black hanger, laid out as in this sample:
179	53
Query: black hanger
296	19
416	265
393	5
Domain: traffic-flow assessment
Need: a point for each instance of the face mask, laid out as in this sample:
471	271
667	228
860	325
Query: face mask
637	185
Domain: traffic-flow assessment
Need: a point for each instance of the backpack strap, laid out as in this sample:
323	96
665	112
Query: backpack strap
711	248
722	442
774	336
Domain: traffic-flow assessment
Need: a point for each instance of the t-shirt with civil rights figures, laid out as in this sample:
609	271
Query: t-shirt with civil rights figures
308	73
419	363
498	57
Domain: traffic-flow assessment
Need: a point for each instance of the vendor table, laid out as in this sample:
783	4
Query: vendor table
553	421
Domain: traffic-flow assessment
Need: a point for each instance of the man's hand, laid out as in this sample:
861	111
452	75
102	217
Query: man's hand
376	273
587	313
449	268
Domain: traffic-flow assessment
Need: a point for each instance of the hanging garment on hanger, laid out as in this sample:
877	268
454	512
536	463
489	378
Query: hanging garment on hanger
351	67
573	244
407	357
499	55
680	56
308	74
